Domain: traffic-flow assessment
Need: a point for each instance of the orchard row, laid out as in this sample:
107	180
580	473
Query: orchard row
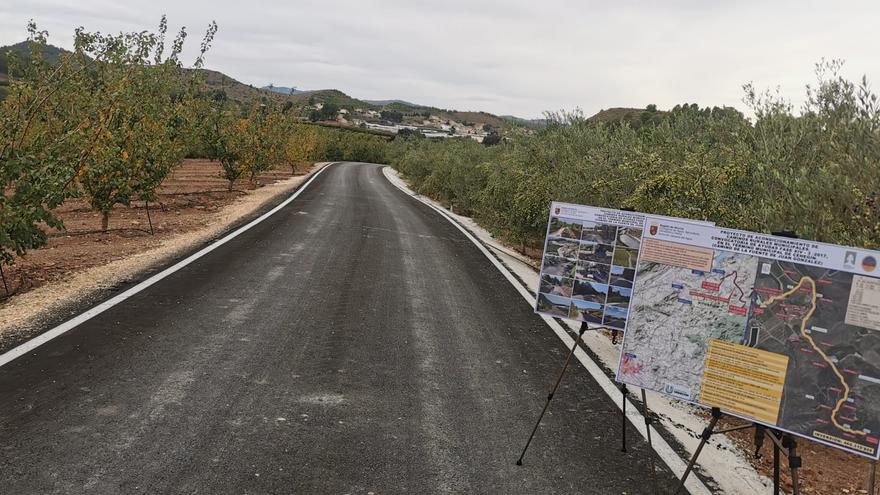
110	120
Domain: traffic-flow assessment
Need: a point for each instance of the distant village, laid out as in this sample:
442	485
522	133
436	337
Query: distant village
431	126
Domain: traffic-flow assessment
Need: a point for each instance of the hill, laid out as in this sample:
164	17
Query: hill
304	101
529	123
234	89
241	92
413	112
382	103
634	116
22	49
282	90
615	114
332	96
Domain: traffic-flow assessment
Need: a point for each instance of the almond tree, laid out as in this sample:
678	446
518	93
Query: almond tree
104	119
47	132
252	143
207	112
266	128
301	146
144	134
228	145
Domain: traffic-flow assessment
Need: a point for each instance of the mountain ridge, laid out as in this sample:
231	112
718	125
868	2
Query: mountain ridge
306	99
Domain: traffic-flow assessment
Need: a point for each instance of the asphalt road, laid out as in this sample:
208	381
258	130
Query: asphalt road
354	342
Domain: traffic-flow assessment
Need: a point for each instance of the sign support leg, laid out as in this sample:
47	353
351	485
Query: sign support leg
775	468
704	438
794	462
552	391
872	476
779	442
648	421
623	394
759	439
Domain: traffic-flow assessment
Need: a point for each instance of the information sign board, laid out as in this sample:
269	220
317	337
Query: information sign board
782	331
589	261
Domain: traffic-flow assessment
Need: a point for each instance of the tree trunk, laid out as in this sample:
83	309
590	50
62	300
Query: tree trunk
3	276
231	183
149	218
105	221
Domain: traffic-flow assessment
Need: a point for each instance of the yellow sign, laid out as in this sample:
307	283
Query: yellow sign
744	380
675	254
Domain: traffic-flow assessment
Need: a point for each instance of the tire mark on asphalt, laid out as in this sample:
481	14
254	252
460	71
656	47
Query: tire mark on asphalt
437	428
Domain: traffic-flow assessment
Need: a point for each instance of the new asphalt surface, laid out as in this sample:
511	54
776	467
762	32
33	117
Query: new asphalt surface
354	342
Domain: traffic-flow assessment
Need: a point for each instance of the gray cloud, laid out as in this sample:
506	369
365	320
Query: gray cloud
501	56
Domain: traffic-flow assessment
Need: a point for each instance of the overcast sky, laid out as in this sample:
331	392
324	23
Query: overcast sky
505	57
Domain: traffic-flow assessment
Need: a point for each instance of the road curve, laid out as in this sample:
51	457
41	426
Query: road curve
353	342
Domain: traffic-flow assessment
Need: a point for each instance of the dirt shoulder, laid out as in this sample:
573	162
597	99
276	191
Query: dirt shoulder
825	470
82	265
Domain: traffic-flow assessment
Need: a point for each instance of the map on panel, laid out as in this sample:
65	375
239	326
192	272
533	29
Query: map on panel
677	310
785	332
815	316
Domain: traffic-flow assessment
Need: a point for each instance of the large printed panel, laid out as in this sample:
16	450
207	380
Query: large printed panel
588	267
785	332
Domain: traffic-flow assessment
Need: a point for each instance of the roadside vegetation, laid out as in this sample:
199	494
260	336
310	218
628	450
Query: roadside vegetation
109	121
814	171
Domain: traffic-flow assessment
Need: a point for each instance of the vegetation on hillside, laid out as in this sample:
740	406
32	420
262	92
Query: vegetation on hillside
48	53
815	172
634	117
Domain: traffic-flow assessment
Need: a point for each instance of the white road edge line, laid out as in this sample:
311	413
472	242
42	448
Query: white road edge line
694	485
68	325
